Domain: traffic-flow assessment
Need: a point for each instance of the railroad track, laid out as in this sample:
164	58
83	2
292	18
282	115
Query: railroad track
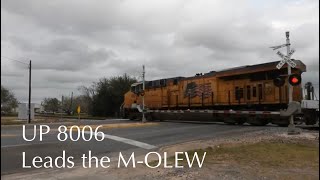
309	127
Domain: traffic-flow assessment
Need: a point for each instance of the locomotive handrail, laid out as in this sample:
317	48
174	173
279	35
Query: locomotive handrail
219	111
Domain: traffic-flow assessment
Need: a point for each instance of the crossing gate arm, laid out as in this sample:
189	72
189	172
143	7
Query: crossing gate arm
293	107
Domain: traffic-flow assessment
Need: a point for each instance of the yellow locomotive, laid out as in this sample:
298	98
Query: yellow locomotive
246	88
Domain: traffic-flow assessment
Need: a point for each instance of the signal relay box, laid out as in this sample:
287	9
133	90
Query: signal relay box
310	104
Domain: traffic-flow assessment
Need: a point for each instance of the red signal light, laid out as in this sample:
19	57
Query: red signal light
294	79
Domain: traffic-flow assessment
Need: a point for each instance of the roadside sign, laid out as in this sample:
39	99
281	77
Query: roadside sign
78	110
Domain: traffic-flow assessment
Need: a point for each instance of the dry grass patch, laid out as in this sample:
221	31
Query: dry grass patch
15	121
267	154
117	125
9	120
262	155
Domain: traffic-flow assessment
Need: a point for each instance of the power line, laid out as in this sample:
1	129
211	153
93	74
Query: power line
14	60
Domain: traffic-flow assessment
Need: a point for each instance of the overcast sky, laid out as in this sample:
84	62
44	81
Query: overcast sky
76	42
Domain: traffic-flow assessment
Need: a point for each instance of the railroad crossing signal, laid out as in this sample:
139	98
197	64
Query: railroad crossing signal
294	80
286	59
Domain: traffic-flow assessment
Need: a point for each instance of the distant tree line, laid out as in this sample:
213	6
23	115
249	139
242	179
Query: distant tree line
8	101
66	104
102	98
106	96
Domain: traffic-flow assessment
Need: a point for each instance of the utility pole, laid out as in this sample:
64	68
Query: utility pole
29	103
61	107
70	111
143	89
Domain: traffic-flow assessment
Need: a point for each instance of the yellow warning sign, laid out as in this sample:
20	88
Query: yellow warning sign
78	110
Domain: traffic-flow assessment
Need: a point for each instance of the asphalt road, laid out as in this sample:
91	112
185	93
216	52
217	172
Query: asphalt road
137	139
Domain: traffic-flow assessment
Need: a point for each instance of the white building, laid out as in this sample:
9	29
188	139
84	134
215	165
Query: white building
23	110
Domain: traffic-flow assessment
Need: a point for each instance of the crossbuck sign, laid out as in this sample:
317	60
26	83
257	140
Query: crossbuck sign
286	59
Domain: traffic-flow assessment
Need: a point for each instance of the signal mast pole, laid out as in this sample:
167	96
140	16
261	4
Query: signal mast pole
29	101
287	60
143	88
289	68
291	127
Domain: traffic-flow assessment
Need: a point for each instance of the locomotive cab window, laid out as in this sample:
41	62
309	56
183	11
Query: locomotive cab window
163	82
157	83
175	81
136	88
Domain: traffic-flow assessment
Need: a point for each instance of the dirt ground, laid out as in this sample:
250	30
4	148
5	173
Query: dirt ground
266	154
258	155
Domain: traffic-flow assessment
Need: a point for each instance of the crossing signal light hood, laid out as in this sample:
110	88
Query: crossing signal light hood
279	81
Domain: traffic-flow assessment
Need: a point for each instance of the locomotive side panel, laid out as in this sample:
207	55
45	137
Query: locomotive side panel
224	92
152	98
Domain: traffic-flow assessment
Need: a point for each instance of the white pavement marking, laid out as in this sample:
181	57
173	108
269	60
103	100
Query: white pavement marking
17	145
127	141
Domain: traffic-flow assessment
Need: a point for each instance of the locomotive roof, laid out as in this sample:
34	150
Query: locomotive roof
243	70
257	68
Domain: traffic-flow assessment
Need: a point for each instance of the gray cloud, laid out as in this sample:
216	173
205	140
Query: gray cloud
73	43
62	54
